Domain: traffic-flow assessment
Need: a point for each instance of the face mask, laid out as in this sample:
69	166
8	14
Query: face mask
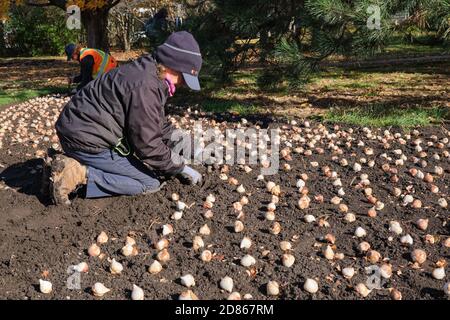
171	87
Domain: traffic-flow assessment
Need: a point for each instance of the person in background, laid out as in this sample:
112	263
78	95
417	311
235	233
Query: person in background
93	63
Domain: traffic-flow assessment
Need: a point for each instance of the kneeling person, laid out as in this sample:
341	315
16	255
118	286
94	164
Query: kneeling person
114	132
93	63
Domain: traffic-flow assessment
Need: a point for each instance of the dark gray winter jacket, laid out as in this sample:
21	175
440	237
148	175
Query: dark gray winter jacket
127	102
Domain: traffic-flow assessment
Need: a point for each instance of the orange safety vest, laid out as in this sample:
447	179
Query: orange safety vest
103	62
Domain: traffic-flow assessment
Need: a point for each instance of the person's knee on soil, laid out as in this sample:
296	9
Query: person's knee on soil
67	174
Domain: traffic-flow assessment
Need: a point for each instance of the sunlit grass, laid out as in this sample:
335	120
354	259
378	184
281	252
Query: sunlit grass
384	115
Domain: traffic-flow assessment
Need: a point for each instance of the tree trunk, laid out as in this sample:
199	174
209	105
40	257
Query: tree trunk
96	25
126	42
2	39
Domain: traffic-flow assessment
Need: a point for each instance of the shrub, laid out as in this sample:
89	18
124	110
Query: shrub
37	31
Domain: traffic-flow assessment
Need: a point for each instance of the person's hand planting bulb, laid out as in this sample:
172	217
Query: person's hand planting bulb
190	175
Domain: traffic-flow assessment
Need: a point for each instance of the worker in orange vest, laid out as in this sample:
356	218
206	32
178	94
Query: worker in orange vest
93	63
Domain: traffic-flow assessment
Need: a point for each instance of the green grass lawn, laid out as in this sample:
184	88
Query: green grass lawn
383	116
212	105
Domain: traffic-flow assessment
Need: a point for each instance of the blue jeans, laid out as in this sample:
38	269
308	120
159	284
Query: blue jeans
110	174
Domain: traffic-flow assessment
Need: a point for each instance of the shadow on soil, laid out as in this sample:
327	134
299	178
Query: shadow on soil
24	178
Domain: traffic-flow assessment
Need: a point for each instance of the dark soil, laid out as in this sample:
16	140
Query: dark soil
39	240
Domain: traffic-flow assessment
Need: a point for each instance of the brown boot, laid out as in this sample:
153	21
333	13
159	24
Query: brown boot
66	175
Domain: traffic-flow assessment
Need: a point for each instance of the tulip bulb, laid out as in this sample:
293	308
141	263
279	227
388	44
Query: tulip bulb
246	243
129	250
350	217
175	197
285	245
238	226
309	218
276	191
422	224
287	260
248	261
273	288
163	256
155	267
438	273
364	246
395	227
372	213
304	202
311	286
271	207
94	250
360	232
226	284
270	215
102	238
430	239
395	294
373	256
234	296
197	243
188	295
177	215
137	293
82	267
237	206
130	241
328	253
187	280
407	199
386	270
343	208
442	203
167	229
204	230
115	267
99	289
181	205
300	184
244	200
270	185
211	198
348	272
276	228
362	290
240	189
162	244
416	204
447	243
45	287
208	204
206	256
407	240
208	214
419	256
